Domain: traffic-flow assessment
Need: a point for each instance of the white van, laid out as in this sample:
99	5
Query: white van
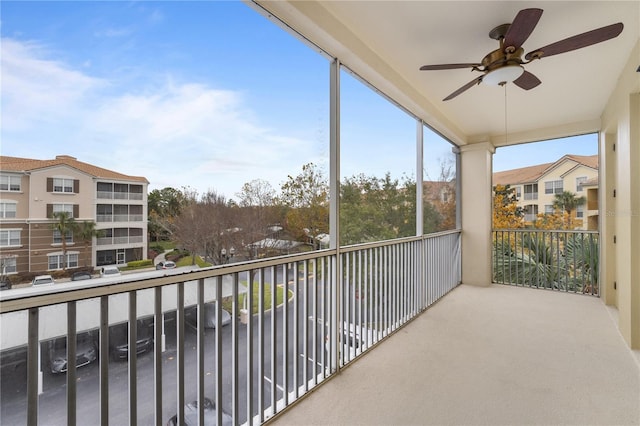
42	280
109	271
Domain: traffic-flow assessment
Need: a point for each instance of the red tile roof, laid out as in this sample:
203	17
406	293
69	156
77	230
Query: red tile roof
17	164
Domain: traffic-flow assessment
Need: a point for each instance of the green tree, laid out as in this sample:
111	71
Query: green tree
373	208
164	206
65	225
85	231
568	201
259	209
506	213
306	198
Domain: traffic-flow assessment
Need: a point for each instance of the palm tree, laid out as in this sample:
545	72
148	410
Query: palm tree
581	253
568	202
85	232
532	261
64	224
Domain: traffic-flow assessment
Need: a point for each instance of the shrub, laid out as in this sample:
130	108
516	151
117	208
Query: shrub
140	263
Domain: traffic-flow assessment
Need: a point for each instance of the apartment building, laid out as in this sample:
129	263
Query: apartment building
32	190
536	186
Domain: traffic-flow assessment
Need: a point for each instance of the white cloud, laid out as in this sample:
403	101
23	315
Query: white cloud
175	134
36	90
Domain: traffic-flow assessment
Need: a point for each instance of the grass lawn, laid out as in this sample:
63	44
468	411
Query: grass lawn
188	260
228	304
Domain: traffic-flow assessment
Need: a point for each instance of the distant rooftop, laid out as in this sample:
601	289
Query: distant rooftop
17	164
534	173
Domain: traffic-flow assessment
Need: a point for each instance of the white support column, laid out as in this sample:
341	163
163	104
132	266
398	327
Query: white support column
607	222
476	200
627	217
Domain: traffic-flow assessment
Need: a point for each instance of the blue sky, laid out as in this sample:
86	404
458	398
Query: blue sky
208	95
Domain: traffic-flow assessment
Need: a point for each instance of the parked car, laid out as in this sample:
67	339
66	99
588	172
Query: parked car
86	352
210	414
191	316
109	271
119	339
166	265
5	283
357	340
13	358
81	275
42	280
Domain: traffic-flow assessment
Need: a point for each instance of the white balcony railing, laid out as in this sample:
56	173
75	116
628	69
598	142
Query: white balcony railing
115	195
330	307
556	260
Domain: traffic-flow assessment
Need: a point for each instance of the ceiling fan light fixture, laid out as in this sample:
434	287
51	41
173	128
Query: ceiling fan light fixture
504	74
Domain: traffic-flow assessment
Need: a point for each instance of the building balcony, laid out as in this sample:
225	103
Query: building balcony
496	355
387	322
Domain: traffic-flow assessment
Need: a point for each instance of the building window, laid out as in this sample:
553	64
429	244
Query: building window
548	209
580	212
57	237
9	237
530	212
68	208
579	181
62	185
518	192
10	183
553	187
56	260
8	265
7	209
531	191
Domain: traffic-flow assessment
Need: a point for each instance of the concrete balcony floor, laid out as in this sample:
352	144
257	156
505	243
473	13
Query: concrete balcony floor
497	355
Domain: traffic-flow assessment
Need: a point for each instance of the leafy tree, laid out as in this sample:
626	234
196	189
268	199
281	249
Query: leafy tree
259	209
374	208
65	225
567	201
164	206
439	209
205	225
506	213
85	231
556	220
306	198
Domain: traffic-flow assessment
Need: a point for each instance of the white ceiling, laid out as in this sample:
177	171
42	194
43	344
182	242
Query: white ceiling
386	42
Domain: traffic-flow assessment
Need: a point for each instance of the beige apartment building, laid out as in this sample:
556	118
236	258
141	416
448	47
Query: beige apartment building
536	186
32	190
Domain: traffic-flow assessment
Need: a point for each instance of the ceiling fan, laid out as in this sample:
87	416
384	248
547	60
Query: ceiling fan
505	64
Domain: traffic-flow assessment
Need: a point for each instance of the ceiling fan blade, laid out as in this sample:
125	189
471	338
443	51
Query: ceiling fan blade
467	86
578	41
447	67
527	81
522	27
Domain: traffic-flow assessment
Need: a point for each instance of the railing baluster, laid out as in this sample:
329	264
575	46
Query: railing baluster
180	352
133	370
71	363
248	305
158	324
261	338
200	344
235	376
104	361
218	352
